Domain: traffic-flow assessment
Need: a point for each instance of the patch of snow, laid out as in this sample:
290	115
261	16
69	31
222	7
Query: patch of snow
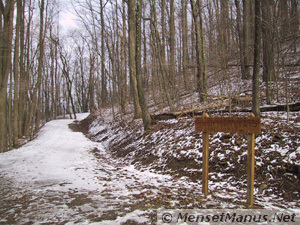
57	156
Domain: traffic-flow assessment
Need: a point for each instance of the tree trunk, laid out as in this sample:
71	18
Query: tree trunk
172	67
132	56
268	47
36	108
23	80
16	75
68	95
123	63
103	77
92	82
295	23
185	54
240	35
257	50
159	52
224	34
200	50
40	66
6	35
246	38
145	113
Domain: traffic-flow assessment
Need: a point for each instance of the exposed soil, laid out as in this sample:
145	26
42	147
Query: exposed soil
172	147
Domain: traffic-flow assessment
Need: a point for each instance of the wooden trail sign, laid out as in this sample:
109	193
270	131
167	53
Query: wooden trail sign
250	126
228	125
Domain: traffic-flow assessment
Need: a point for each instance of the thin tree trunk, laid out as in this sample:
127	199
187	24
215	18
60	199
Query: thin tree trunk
295	23
123	63
6	35
172	67
40	66
69	95
240	35
246	38
132	56
268	47
185	54
91	82
145	113
159	52
103	77
23	85
257	51
16	75
201	74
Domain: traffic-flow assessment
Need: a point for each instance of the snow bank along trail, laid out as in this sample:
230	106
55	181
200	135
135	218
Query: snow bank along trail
63	177
57	157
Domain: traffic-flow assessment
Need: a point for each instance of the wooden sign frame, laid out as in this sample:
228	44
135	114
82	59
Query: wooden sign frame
249	126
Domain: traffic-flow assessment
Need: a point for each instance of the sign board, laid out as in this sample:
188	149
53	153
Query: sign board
242	125
246	125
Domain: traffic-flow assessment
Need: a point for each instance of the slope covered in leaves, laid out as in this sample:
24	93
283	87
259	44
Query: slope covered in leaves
172	147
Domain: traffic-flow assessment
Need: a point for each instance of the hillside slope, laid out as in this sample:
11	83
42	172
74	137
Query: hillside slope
172	147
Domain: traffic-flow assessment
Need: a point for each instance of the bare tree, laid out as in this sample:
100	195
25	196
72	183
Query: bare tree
257	51
6	31
36	95
159	50
185	54
145	113
268	47
240	34
200	49
132	56
172	67
123	61
246	38
16	74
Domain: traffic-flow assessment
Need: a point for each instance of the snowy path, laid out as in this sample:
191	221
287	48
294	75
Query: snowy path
57	156
63	177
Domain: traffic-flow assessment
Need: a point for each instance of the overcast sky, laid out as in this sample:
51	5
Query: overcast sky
67	18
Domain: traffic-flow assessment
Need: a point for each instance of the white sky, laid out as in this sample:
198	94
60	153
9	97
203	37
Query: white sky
67	18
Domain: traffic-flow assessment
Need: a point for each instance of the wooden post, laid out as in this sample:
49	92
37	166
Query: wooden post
250	168
205	159
249	126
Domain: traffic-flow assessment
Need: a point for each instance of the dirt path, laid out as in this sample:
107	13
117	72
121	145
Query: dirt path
124	194
62	177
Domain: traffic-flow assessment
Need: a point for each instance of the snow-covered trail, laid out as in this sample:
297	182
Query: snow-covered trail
57	156
63	177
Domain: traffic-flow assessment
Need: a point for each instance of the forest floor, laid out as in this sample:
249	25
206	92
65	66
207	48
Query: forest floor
124	175
104	169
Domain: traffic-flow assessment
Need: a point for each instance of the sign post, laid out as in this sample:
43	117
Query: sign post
250	126
250	170
205	160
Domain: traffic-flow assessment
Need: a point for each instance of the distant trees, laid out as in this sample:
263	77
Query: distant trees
6	38
31	73
139	53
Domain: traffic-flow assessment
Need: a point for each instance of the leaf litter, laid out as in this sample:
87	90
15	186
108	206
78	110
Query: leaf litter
125	174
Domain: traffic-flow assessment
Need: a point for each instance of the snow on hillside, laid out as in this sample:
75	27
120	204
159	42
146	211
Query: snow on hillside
124	175
62	177
173	147
56	179
119	174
